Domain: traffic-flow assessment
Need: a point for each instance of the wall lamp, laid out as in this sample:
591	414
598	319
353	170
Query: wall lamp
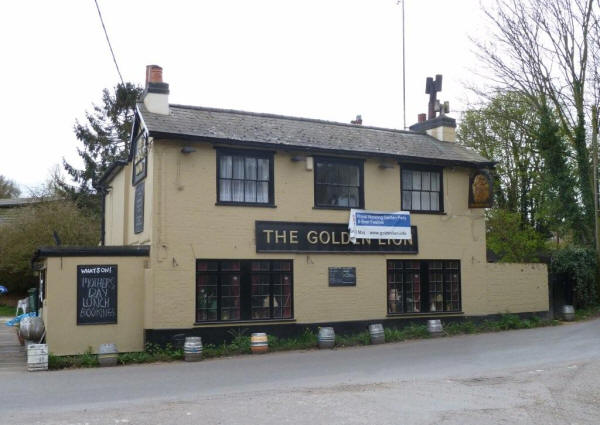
187	150
385	165
298	158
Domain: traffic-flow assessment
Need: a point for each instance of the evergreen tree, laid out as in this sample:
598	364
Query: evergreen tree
560	208
105	137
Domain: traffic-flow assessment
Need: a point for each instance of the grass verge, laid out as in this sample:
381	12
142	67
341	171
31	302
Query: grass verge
240	343
7	311
587	313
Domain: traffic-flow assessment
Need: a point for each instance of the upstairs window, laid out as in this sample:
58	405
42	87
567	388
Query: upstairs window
244	178
338	183
422	190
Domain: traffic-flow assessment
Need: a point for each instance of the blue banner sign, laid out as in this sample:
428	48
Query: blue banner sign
379	225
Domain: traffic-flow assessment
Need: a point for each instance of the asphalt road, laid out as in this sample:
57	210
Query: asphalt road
546	375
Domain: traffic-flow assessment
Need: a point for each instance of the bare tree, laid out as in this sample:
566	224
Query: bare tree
548	50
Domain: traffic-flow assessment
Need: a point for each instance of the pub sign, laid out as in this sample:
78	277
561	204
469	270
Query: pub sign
288	236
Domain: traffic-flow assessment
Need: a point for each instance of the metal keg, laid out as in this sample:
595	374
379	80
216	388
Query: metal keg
31	328
568	313
259	343
377	333
435	328
192	349
108	354
326	337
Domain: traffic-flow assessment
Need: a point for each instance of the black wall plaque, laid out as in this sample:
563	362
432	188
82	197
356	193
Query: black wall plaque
284	236
138	209
342	276
96	294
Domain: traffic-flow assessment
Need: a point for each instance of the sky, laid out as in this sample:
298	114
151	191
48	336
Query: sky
325	59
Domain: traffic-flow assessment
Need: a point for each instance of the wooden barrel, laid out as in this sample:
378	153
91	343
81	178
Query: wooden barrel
377	334
326	337
568	313
192	349
259	343
107	355
435	328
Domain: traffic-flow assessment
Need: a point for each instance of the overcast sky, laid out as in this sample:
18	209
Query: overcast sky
326	59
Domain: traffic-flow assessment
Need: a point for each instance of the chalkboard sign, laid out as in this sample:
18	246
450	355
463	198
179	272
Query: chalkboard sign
342	276
96	294
138	209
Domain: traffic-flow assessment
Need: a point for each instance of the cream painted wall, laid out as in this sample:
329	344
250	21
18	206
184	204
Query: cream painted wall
64	336
188	225
115	211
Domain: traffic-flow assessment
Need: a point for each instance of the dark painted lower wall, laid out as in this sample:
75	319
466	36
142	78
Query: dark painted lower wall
224	334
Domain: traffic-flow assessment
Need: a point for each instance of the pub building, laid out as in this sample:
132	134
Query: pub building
223	219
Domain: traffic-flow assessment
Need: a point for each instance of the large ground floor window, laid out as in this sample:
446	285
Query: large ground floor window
423	286
243	290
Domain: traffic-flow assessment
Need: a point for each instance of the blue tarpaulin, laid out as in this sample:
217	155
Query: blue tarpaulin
13	322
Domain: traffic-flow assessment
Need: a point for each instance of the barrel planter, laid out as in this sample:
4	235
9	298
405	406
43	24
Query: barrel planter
435	328
326	337
192	349
37	357
107	355
568	313
259	343
377	333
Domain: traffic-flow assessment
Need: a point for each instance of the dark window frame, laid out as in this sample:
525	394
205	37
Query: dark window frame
414	167
360	163
425	270
245	289
253	154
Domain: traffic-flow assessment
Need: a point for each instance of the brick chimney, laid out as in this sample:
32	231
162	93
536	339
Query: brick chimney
156	95
441	127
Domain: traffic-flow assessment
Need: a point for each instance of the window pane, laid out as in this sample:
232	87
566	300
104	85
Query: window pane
238	167
435	201
353	200
225	190
416	180
323	173
321	194
348	174
263	169
406	179
406	200
225	166
237	188
262	192
250	193
425	180
250	169
416	201
435	181
425	206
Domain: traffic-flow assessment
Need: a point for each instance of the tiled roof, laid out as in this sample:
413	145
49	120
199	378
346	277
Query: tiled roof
282	132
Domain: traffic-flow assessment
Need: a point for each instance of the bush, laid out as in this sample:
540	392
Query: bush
578	265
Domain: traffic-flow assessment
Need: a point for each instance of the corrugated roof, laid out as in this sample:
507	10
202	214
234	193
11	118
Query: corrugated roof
283	132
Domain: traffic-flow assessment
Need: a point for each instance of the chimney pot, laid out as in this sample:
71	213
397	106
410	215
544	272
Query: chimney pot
357	121
421	118
153	74
156	95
